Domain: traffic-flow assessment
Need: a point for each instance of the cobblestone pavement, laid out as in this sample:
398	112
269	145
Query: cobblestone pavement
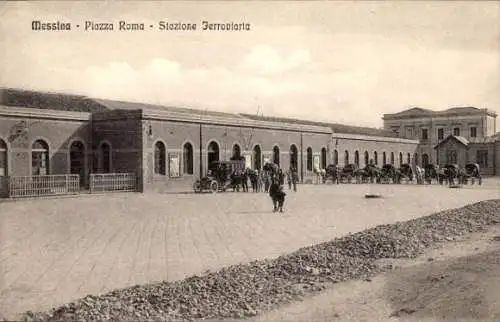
54	251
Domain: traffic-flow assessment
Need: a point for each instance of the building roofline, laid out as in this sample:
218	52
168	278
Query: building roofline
16	111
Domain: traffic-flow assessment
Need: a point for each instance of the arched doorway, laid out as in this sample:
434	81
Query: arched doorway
77	160
335	157
3	158
384	158
323	158
346	157
367	158
276	155
375	157
425	160
415	159
257	158
213	153
294	157
400	158
408	158
40	158
392	158
356	158
236	155
309	159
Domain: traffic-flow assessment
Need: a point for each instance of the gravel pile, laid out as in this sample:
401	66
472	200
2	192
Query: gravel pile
245	290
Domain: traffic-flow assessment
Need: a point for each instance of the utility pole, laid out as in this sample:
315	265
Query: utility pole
201	150
301	157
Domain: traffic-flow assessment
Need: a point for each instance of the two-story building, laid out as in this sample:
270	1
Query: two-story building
456	135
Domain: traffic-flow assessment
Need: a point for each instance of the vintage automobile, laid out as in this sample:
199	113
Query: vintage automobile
218	176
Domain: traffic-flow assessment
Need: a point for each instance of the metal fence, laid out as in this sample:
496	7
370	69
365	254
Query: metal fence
108	182
43	185
4	187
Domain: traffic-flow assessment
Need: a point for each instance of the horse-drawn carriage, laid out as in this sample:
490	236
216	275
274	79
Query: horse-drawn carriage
405	172
348	172
220	176
450	173
471	172
389	174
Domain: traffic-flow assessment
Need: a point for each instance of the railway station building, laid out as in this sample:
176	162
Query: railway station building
163	148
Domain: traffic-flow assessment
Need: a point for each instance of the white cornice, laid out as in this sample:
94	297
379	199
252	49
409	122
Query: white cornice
43	113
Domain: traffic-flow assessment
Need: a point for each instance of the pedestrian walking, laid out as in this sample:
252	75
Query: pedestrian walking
277	194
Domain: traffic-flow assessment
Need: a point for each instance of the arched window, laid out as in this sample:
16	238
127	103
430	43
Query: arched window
367	158
323	158
384	158
293	157
213	152
40	158
309	159
257	158
276	155
408	156
346	157
160	158
392	157
425	159
3	158
335	157
400	158
236	152
356	158
375	157
188	159
77	160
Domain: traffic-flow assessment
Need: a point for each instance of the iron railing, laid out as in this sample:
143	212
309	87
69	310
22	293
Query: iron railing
4	187
43	185
108	182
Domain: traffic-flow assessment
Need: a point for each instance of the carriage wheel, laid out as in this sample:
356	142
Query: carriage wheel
214	186
197	186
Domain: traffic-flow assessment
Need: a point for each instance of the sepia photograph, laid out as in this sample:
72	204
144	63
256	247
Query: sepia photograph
250	161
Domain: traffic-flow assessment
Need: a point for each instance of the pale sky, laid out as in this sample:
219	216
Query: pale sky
346	62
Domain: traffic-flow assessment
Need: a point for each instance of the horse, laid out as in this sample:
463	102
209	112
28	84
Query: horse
332	171
433	171
372	173
419	174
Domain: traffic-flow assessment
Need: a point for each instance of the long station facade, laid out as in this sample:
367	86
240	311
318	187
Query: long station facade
168	148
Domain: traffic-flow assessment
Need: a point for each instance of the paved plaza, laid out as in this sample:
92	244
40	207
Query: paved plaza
54	251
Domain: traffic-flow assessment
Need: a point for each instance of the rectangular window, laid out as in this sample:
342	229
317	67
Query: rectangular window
456	131
473	132
425	134
440	134
409	132
482	158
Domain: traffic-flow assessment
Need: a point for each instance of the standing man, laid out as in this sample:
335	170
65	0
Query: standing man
295	178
